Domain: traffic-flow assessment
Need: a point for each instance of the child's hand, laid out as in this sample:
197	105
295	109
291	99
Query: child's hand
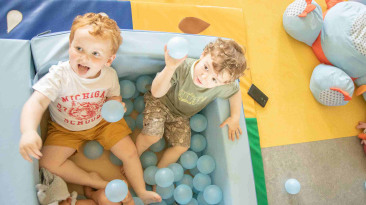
30	144
234	128
361	125
128	200
170	62
124	106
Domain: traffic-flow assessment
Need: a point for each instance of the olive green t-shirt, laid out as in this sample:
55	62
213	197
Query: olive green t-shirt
184	98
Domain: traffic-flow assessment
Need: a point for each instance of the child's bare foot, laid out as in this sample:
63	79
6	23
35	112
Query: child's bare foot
149	197
87	191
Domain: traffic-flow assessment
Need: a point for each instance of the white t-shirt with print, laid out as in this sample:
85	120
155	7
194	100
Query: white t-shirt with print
77	102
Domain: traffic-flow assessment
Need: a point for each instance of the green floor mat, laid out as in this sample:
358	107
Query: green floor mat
257	162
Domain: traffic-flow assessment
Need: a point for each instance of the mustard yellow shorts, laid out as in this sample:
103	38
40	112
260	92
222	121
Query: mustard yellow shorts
106	133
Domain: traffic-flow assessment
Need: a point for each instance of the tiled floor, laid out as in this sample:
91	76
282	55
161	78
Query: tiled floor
329	171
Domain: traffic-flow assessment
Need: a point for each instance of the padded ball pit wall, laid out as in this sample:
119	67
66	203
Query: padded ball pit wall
140	54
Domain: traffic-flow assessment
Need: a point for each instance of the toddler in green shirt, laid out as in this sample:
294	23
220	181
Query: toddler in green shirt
183	88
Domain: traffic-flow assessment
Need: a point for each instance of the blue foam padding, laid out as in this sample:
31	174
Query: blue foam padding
141	53
18	177
234	170
57	15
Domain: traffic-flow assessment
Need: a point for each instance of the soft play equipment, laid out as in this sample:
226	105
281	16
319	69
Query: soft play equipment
142	53
338	40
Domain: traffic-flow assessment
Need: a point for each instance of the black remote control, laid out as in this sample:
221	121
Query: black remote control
257	95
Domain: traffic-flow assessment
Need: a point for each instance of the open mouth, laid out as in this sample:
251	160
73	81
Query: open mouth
83	69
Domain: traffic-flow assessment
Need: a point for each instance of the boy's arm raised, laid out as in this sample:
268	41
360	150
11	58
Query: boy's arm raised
33	109
161	82
233	120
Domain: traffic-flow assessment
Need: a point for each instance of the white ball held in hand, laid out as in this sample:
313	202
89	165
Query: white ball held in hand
177	47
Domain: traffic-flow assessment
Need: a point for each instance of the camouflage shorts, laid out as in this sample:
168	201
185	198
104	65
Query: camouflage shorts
159	121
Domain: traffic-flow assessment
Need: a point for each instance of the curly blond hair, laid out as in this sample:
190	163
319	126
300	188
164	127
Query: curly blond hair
103	27
227	56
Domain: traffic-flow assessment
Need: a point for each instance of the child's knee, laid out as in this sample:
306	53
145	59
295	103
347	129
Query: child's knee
151	139
132	154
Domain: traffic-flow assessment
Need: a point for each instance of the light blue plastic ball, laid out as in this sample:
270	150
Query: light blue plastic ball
206	164
292	186
183	194
361	1
112	111
177	47
188	159
158	146
149	175
201	181
198	123
165	192
195	191
137	93
130	122
138	201
187	180
148	158
193	202
139	104
140	121
129	106
115	160
194	171
201	200
170	201
177	170
93	150
159	203
128	88
143	83
212	194
199	154
164	177
198	143
116	190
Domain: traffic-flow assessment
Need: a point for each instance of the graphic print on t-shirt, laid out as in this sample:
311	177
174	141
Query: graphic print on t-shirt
84	110
190	98
81	109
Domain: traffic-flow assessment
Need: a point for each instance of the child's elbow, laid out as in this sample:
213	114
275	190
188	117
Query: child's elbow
155	94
